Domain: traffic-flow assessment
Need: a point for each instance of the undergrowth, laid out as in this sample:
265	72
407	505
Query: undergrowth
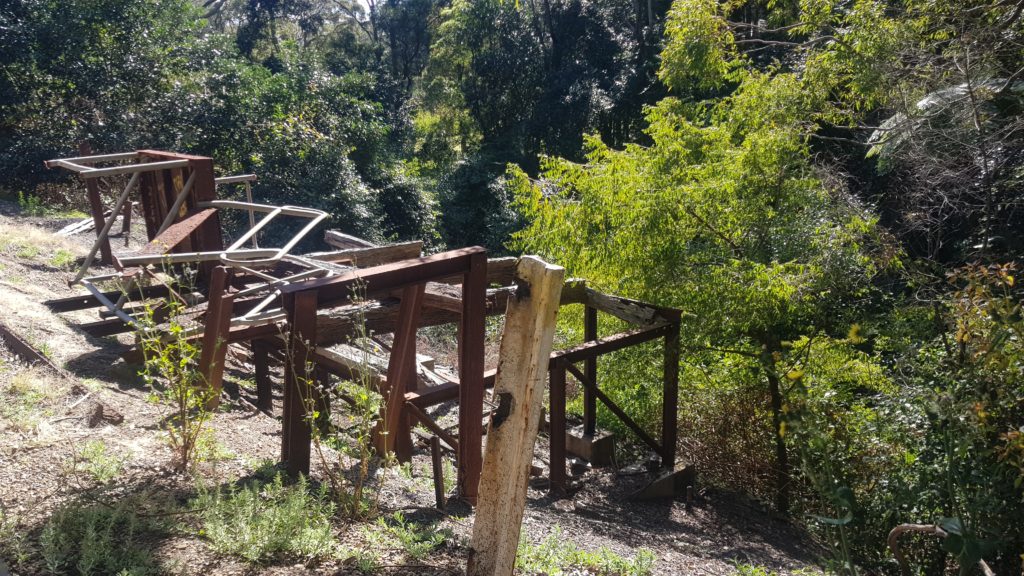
556	554
265	522
416	540
99	539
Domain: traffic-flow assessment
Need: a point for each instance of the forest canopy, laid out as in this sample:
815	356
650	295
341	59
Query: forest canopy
831	190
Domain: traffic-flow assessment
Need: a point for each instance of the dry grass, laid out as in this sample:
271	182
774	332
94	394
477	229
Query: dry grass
27	396
27	243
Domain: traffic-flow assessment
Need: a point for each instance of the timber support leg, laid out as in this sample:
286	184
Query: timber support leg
557	431
264	386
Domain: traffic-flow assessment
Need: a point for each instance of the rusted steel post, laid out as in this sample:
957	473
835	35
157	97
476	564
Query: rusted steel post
670	397
590	369
264	386
296	433
471	376
92	188
557	429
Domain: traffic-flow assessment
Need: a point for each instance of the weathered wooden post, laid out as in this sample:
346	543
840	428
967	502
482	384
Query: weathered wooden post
519	390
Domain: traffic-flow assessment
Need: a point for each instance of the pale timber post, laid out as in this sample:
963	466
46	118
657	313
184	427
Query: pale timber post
519	392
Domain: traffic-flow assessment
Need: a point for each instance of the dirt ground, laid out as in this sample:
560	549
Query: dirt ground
47	419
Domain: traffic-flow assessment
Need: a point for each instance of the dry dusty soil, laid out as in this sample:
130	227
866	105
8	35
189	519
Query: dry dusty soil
49	422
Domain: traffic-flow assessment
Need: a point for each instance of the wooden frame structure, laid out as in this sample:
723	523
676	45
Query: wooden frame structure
302	301
425	299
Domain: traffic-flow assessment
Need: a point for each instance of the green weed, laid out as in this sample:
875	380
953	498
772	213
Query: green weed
27	251
13	541
62	259
264	522
416	540
96	460
98	539
556	554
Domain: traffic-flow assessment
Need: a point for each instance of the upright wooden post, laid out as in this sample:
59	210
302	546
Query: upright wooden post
471	375
556	430
264	386
296	433
92	188
590	369
670	398
215	336
394	437
519	389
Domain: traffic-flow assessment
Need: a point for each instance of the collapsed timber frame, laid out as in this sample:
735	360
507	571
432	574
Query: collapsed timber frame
305	311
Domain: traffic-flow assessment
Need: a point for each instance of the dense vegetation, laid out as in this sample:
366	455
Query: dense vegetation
831	190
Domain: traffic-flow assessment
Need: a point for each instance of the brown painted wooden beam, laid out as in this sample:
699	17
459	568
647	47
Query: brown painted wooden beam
471	372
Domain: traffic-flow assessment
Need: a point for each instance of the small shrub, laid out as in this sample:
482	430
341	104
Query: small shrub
556	554
30	205
171	370
264	522
13	541
98	540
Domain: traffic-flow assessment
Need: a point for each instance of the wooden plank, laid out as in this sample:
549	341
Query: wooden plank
86	301
633	311
431	425
435	460
512	431
373	256
92	189
373	281
619	412
556	431
344	241
471	371
434	395
296	431
499	272
176	234
609	344
23	349
107	327
264	385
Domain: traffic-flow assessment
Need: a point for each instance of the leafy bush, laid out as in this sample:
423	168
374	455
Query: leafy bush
171	370
264	522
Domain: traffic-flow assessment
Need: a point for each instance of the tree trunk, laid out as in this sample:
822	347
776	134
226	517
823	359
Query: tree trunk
782	474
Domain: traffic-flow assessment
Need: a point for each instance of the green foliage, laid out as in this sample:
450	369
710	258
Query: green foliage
415	540
99	539
96	460
557	555
265	522
173	375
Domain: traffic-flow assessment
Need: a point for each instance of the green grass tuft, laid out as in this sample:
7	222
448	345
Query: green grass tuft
265	522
